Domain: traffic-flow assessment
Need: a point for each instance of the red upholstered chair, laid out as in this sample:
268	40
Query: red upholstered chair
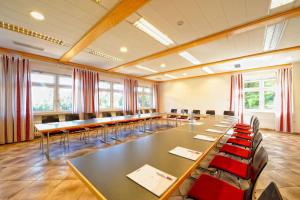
250	134
233	166
271	192
242	152
207	187
245	126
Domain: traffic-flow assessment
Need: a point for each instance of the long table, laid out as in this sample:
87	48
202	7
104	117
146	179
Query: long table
49	128
104	172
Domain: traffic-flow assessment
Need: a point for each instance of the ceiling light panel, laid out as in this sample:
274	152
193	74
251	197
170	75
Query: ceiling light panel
103	55
170	76
146	69
186	55
208	70
152	31
273	35
278	3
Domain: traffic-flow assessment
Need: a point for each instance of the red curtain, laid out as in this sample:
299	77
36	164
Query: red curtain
15	100
85	91
237	96
156	96
284	100
130	95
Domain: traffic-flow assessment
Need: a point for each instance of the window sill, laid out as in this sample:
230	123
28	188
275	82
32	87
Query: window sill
260	111
50	113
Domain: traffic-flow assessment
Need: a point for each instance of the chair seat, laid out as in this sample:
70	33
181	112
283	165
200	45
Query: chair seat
240	142
210	188
242	124
242	131
242	127
243	136
230	165
236	151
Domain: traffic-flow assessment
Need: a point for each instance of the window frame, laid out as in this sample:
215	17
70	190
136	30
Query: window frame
261	89
112	91
143	93
56	86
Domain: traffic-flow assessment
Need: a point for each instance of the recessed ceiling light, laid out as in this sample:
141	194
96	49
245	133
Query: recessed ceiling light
278	3
146	68
169	76
207	70
152	31
123	49
186	55
37	15
184	74
163	65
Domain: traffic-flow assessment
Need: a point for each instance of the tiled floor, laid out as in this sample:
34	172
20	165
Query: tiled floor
26	174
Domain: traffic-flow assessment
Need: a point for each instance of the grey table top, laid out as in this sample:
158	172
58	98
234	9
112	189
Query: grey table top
105	171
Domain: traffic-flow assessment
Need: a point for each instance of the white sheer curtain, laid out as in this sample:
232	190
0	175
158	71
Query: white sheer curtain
15	100
85	91
284	100
237	96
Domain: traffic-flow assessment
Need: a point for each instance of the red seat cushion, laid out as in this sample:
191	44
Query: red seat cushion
230	165
243	136
210	188
242	131
240	142
242	127
237	151
241	124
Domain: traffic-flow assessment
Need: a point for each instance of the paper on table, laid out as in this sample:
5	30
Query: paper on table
205	137
222	125
196	123
214	131
152	179
225	122
186	153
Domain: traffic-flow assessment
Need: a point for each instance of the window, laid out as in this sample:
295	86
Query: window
51	92
260	94
111	95
145	97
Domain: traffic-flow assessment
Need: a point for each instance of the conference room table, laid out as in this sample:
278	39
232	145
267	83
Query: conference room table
105	171
47	129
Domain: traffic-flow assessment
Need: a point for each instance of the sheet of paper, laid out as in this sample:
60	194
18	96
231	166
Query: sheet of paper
186	153
205	137
196	123
152	179
225	122
214	131
222	125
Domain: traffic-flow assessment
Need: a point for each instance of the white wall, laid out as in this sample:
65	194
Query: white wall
214	93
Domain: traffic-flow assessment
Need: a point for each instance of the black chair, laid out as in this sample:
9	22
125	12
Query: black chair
119	113
229	113
128	113
271	192
146	111
184	112
196	112
96	128
89	116
50	119
210	187
173	111
106	114
210	112
71	117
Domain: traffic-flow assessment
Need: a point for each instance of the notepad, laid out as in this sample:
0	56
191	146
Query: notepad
222	125
152	179
205	137
214	131
196	123
186	153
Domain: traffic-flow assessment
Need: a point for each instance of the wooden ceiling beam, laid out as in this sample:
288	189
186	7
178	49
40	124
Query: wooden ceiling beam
232	72
120	12
265	53
275	18
68	64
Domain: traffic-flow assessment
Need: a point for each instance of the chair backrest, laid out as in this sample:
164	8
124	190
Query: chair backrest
184	111
173	110
153	110
259	162
256	141
89	115
229	113
255	124
129	113
119	113
71	117
196	112
106	114
271	192
210	112
50	118
146	111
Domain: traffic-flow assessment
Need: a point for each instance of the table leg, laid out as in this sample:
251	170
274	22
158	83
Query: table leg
47	152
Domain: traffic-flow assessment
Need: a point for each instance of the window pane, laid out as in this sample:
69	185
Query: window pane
269	99
42	78
140	100
251	100
252	84
104	85
269	83
65	80
140	89
65	99
147	90
118	99
104	99
42	99
118	86
147	101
